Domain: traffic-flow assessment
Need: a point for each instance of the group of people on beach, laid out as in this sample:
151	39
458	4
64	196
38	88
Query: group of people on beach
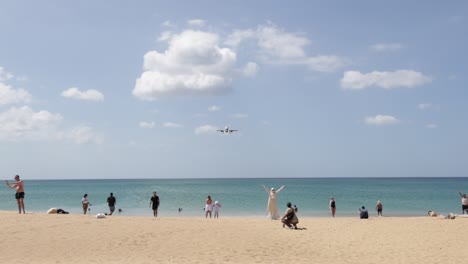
209	207
363	213
289	218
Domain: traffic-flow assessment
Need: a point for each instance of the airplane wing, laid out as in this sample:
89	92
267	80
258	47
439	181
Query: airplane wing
232	130
220	130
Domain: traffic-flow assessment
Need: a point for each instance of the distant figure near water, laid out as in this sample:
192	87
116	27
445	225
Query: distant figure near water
464	201
154	204
85	203
216	207
19	195
379	208
363	213
111	201
208	206
332	206
272	206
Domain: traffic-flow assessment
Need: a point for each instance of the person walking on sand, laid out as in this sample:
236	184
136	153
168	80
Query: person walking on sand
272	206
19	195
332	206
216	207
111	201
208	206
85	203
154	204
464	201
379	208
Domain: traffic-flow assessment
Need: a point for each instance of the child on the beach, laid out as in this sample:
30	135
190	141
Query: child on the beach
216	207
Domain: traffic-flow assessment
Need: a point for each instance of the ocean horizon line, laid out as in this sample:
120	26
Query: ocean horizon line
247	178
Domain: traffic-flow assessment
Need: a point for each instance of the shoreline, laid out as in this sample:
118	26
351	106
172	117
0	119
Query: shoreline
44	238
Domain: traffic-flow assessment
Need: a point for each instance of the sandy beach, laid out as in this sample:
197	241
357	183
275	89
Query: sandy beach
42	238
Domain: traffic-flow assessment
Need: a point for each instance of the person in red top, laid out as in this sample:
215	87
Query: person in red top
208	206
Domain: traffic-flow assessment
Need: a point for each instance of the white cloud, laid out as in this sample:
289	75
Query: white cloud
278	46
84	135
325	63
381	120
165	36
172	125
193	64
24	124
424	106
8	95
239	116
431	126
281	44
167	23
88	95
144	124
196	22
206	129
236	37
250	69
355	80
214	108
382	47
4	75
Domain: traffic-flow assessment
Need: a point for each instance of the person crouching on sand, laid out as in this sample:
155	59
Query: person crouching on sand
289	218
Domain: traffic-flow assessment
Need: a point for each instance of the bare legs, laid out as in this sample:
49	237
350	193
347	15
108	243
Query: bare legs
20	205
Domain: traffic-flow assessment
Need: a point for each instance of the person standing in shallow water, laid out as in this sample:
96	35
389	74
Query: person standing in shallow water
333	206
208	206
379	208
154	204
272	206
19	195
111	201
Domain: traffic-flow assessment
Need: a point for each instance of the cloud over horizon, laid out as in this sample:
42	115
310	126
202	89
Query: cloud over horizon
355	80
381	120
88	95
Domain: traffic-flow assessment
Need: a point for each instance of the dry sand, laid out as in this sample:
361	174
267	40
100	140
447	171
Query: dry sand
42	238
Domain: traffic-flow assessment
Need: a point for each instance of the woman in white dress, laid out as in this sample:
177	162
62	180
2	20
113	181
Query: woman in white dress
272	206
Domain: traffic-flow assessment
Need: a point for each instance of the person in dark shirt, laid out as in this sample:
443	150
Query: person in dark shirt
363	213
333	206
154	203
111	201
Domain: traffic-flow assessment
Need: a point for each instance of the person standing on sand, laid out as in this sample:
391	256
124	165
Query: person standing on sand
332	206
111	201
85	203
216	207
464	201
154	204
208	206
272	206
19	195
379	208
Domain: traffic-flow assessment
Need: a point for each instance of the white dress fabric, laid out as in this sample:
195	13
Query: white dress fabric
272	207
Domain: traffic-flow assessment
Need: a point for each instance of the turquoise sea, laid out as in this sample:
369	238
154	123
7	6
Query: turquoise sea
245	197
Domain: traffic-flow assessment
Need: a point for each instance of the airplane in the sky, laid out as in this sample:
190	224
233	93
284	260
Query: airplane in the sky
226	130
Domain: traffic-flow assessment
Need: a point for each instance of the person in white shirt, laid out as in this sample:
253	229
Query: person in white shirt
216	207
85	203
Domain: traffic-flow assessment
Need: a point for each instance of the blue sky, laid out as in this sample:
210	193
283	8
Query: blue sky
114	89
